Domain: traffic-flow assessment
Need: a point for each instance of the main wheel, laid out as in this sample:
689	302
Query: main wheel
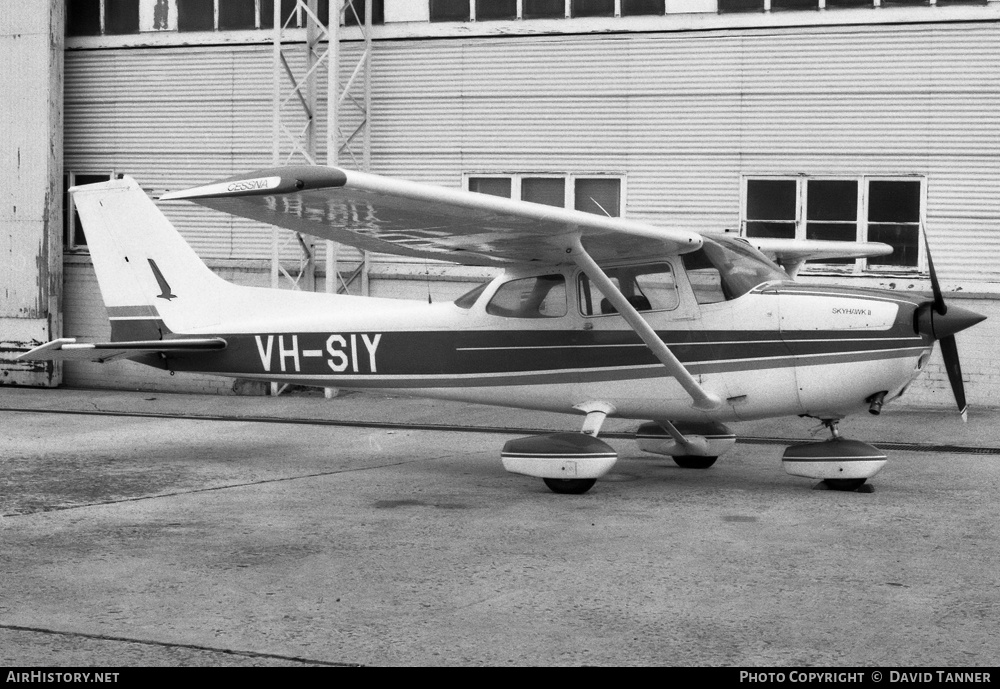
570	486
691	462
844	483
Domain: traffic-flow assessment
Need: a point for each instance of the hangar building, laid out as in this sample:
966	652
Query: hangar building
836	119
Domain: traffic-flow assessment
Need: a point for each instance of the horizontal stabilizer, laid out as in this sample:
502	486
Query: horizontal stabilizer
67	348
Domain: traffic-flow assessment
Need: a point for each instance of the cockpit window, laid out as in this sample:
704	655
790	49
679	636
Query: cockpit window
646	287
538	297
726	268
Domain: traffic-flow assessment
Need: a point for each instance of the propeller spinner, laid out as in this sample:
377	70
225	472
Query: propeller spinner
938	320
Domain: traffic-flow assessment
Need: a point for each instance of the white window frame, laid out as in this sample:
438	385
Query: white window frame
801	220
567	10
569	190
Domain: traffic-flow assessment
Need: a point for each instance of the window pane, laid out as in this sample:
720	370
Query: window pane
704	278
449	10
832	200
237	14
467	300
599	196
961	2
267	13
542	9
633	7
496	9
548	190
378	12
771	199
903	238
121	16
893	201
494	186
656	284
83	17
794	4
904	2
593	8
195	15
540	297
849	3
779	230
646	288
76	231
726	268
591	298
834	232
741	5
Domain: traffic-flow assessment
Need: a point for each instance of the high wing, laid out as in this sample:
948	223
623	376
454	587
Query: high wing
400	217
395	216
792	253
67	348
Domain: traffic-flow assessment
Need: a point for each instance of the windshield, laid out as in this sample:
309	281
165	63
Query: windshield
726	268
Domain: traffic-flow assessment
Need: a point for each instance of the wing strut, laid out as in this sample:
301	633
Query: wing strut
703	400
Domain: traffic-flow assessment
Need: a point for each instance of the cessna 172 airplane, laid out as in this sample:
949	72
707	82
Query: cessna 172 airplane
592	315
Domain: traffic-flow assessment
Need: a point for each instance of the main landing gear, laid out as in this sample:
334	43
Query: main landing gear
571	463
570	486
692	445
841	464
568	463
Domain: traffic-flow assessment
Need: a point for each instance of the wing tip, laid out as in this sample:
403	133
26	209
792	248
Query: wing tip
265	182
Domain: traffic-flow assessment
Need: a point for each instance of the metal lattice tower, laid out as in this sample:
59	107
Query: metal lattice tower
297	123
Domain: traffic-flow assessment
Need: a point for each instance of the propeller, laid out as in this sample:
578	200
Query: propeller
936	319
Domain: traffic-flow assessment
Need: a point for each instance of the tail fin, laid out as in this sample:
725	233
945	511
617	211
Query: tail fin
151	281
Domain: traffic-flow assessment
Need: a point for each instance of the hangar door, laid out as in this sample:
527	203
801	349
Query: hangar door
30	211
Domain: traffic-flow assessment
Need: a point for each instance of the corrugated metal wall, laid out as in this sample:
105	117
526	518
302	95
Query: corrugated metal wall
684	115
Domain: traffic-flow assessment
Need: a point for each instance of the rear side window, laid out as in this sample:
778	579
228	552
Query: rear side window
467	300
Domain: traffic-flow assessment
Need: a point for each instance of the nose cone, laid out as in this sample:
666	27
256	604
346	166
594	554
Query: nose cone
953	320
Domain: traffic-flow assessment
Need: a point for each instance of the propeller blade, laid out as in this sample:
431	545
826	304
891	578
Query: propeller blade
942	326
951	364
939	305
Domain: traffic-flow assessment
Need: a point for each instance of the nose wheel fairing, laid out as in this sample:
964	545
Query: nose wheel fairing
838	461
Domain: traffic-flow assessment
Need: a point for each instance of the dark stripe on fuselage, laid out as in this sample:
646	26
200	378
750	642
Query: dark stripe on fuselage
531	356
522	357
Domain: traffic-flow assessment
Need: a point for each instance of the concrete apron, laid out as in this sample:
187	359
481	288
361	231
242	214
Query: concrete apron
131	541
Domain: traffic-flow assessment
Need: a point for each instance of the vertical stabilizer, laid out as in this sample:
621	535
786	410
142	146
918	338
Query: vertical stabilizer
148	275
